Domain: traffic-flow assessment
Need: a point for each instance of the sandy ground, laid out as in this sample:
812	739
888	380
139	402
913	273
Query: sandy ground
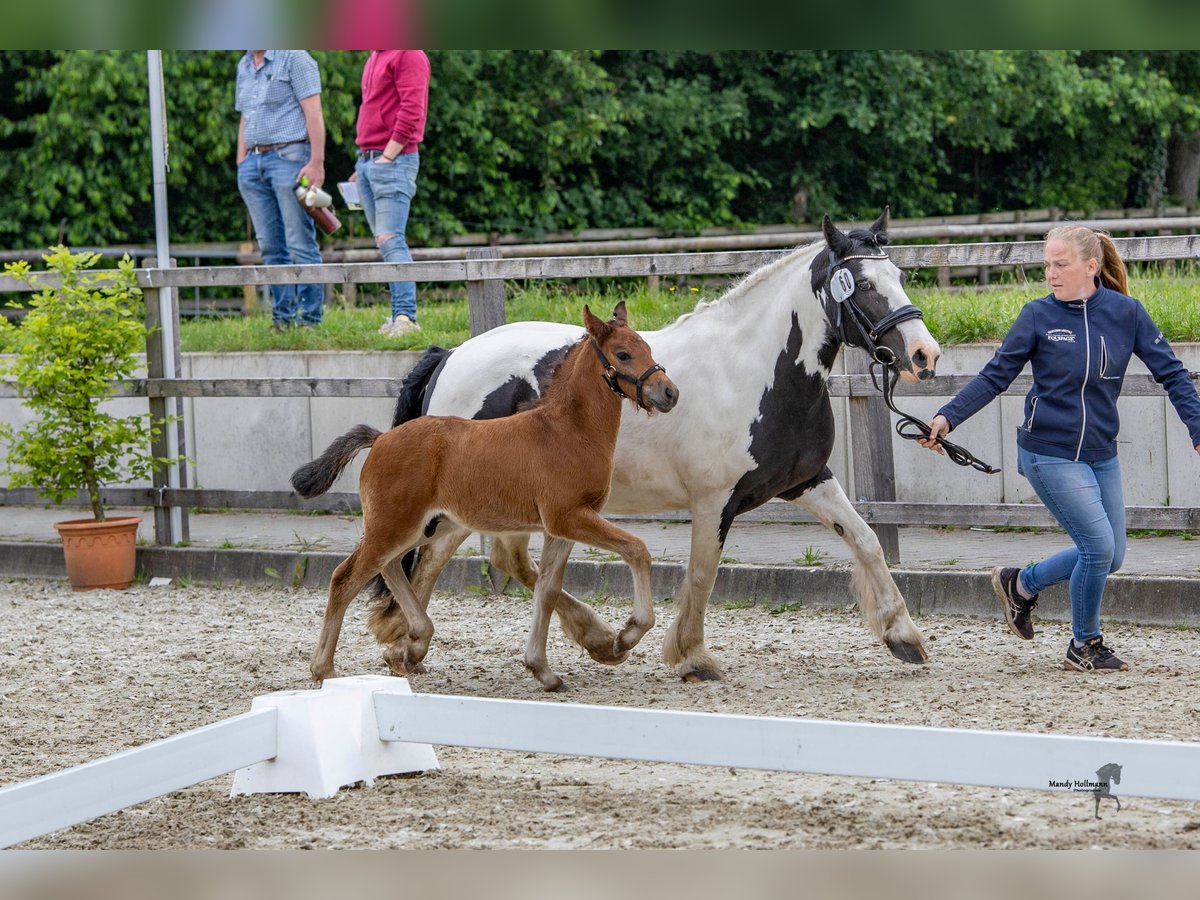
86	675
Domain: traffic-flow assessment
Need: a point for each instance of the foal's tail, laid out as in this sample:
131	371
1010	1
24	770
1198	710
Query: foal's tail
415	384
315	478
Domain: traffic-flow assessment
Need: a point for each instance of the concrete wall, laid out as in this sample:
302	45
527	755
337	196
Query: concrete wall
253	443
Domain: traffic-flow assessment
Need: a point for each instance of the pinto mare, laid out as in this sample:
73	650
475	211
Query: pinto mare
754	422
546	468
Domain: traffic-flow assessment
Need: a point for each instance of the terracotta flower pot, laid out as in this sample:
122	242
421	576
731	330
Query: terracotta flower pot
99	554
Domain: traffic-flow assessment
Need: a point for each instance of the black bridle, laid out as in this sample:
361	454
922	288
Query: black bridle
889	372
613	378
868	332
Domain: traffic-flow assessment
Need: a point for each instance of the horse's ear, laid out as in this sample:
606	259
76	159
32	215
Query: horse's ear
620	316
596	328
880	225
837	241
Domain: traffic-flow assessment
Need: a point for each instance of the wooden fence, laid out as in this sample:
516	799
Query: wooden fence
485	272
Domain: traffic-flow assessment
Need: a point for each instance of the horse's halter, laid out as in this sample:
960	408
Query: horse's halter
841	288
613	378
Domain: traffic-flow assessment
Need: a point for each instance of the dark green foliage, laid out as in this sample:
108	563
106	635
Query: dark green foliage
538	141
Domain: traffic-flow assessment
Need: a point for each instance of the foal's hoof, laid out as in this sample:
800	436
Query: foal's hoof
696	676
909	653
550	682
607	656
399	665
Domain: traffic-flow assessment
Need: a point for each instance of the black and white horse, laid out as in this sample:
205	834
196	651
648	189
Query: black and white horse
754	422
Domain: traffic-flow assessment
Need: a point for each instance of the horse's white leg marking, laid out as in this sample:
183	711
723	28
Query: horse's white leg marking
580	623
878	597
683	646
545	593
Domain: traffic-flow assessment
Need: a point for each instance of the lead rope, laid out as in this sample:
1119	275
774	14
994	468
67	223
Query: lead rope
889	374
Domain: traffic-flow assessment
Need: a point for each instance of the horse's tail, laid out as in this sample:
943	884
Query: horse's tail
315	478
416	382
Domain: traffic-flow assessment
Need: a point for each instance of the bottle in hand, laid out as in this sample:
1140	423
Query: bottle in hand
317	204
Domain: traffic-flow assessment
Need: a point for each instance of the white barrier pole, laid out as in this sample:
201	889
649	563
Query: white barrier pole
62	799
947	755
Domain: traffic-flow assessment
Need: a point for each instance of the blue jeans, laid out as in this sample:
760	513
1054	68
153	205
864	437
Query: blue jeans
386	191
1089	502
286	234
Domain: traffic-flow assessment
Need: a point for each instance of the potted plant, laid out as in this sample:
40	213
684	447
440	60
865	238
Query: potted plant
82	334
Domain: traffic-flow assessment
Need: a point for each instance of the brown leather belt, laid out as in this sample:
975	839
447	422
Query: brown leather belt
267	148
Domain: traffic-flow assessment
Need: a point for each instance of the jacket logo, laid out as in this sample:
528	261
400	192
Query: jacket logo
1060	334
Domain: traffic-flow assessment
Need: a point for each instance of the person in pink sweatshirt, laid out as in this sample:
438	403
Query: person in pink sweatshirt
391	126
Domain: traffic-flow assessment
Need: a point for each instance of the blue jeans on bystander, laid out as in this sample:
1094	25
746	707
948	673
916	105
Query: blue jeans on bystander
286	234
386	190
1089	502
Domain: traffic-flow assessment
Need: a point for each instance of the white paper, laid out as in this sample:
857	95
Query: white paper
349	192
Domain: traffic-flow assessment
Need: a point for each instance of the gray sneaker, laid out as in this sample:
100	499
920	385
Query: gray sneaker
1018	612
399	326
1093	656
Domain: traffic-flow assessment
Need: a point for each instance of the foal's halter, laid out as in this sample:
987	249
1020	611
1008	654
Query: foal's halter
842	288
613	378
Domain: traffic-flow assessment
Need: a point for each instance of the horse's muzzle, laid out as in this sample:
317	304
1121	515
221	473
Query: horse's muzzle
922	361
659	393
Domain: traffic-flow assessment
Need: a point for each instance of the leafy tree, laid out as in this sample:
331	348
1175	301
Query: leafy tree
538	141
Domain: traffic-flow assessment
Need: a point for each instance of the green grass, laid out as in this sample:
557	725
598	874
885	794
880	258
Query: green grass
953	317
970	317
443	322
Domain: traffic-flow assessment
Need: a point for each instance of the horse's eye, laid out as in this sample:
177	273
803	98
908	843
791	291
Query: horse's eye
623	356
865	286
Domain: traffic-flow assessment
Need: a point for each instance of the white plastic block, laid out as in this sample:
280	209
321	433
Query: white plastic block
329	738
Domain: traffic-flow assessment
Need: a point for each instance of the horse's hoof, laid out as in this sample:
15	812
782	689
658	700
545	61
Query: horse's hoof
696	676
557	686
909	653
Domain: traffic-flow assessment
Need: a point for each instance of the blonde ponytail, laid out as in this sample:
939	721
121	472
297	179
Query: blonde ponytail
1112	267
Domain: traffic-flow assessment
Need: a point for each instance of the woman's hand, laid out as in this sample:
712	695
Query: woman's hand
938	426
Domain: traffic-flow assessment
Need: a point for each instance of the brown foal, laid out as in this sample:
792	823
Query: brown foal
547	468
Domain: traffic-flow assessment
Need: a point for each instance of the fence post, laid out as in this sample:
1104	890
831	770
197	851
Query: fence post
155	368
485	297
249	291
871	443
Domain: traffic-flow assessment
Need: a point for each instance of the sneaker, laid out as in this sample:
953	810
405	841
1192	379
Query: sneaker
1093	656
399	326
1018	612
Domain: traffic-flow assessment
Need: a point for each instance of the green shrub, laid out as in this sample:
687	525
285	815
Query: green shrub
83	333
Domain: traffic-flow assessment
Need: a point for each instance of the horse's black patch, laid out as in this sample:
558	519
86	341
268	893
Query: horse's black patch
791	439
516	393
506	399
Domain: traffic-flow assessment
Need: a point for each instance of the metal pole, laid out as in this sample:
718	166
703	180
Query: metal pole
167	321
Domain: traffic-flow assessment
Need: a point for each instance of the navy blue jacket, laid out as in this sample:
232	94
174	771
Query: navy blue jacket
1079	351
